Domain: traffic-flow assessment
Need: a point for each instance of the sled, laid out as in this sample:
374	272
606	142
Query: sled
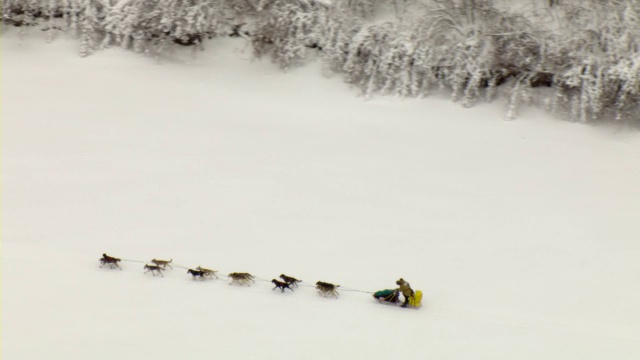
388	296
392	297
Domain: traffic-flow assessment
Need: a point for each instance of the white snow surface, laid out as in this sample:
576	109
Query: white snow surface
523	235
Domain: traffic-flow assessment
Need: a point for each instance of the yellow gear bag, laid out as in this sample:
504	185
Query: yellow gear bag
416	299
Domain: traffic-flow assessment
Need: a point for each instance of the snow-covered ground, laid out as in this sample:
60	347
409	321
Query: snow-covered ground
523	236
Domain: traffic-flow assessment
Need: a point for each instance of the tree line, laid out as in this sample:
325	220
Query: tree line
585	51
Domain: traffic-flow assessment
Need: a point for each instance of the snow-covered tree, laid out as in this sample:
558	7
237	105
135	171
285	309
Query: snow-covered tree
22	13
148	25
288	30
362	66
359	8
596	57
459	34
586	51
90	26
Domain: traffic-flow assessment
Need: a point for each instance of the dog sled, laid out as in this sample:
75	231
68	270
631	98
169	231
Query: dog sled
392	297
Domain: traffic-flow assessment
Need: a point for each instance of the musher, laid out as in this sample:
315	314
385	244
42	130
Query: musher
405	289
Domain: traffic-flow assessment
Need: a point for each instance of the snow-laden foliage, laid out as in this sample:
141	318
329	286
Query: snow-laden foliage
463	48
358	8
585	51
289	29
372	55
148	25
598	63
90	12
143	25
21	12
452	45
338	29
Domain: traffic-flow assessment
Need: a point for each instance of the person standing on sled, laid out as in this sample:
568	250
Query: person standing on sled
405	289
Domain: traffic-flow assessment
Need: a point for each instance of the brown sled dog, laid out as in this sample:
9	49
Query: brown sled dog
154	269
162	263
326	289
208	272
110	260
290	280
241	278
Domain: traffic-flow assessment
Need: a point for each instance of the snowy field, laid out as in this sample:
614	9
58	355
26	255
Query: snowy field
523	235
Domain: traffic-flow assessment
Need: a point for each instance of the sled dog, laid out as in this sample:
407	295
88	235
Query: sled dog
154	269
162	263
326	289
208	272
241	278
110	260
195	273
281	285
290	280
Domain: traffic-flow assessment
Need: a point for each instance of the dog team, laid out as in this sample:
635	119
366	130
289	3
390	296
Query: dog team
156	267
